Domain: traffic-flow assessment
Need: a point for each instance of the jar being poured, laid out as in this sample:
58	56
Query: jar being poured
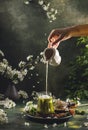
51	55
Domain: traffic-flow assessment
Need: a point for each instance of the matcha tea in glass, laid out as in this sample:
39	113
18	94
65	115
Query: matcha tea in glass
45	103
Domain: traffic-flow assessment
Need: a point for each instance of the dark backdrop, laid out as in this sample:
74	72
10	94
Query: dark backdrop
24	29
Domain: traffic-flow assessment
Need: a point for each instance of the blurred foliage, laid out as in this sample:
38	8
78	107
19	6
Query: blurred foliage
77	85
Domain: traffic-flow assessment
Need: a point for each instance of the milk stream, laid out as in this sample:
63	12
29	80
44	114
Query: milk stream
46	77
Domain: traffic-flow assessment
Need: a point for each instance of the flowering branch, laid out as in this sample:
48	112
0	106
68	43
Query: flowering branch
15	75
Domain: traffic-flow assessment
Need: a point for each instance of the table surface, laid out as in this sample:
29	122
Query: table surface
18	122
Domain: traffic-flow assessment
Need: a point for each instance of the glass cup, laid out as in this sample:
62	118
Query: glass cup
45	103
52	56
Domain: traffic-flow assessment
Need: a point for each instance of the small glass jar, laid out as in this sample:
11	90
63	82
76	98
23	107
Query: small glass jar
45	103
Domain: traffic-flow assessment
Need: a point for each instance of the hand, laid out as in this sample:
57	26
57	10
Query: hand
57	36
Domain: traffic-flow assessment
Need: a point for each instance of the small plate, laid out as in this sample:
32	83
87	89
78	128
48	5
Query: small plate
48	120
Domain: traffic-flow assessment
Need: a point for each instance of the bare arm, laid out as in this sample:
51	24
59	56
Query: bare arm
58	35
80	30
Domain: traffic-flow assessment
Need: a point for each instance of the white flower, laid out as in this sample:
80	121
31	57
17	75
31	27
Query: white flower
29	57
9	72
30	106
2	67
26	2
15	75
24	72
31	74
9	103
3	117
36	62
15	81
37	74
26	123
29	103
1	53
33	86
48	4
52	9
31	68
54	125
50	21
78	103
23	94
52	16
22	64
86	124
20	76
41	53
38	82
45	126
65	124
37	57
40	2
5	61
86	46
48	14
45	7
56	11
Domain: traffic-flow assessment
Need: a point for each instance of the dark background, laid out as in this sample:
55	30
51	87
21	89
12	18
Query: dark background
24	30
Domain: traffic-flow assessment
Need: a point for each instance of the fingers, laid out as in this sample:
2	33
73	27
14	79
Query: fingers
54	41
51	35
50	45
54	45
57	36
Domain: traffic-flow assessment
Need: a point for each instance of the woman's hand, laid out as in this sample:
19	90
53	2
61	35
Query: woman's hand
58	35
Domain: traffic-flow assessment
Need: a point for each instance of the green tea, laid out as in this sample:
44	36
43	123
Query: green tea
45	104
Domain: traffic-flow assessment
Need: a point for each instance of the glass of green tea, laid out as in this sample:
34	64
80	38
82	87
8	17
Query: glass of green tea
45	103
